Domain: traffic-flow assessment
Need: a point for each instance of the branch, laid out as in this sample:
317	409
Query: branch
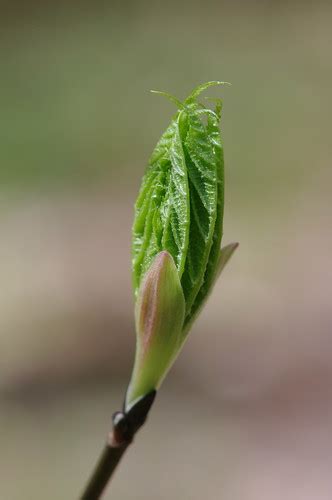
124	427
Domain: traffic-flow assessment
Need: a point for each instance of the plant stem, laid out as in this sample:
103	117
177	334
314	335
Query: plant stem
103	472
125	426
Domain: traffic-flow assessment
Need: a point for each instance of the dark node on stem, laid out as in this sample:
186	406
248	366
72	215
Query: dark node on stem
137	414
125	425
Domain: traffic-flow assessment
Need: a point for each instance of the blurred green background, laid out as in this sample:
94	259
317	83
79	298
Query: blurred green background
246	412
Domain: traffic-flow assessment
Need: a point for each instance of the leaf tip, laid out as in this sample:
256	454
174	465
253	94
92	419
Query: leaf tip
198	90
170	97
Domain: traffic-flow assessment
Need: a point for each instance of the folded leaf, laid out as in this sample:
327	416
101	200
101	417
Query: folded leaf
206	185
180	205
162	215
177	235
224	256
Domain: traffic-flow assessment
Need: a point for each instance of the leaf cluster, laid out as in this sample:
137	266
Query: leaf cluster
181	201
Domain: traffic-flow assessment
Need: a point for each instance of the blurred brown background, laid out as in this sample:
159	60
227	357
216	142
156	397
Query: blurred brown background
246	413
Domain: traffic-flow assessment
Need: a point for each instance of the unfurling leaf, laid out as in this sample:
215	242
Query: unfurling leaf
179	214
180	205
224	256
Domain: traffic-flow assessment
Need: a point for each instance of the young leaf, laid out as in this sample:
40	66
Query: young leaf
176	237
214	142
224	256
205	172
180	205
162	209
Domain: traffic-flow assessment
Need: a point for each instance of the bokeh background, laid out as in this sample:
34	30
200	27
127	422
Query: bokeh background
246	413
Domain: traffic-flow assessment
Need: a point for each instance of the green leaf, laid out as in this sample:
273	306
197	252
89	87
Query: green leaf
180	205
223	257
198	90
162	209
203	152
177	235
